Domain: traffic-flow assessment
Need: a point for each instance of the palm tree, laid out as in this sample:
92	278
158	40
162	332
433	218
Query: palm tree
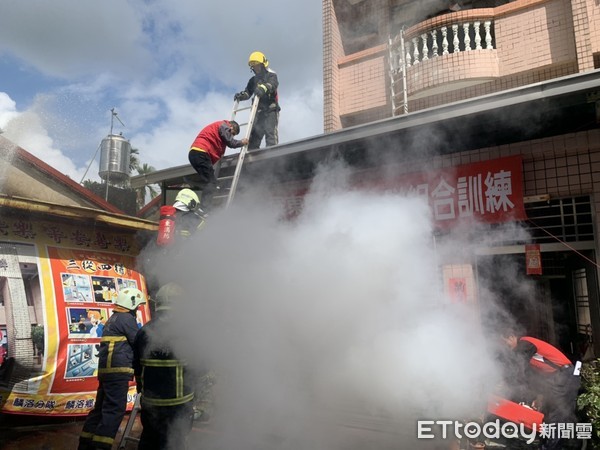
142	192
134	160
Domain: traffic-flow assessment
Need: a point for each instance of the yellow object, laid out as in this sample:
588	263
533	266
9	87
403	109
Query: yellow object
258	58
188	198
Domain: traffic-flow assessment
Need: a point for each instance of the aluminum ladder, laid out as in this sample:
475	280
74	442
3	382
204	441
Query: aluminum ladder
127	437
229	183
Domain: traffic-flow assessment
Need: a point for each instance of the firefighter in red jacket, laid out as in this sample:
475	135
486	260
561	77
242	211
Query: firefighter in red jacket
264	85
207	149
165	381
115	371
551	379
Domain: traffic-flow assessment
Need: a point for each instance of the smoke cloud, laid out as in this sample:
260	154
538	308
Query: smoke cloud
330	331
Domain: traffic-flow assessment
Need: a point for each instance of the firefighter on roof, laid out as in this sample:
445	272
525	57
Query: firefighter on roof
264	85
165	381
115	371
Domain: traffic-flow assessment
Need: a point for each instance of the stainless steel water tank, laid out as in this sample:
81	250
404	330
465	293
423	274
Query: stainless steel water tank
115	152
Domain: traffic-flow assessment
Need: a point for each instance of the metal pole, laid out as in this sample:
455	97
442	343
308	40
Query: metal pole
403	62
392	71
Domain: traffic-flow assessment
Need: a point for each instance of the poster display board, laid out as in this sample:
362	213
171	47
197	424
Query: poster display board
63	292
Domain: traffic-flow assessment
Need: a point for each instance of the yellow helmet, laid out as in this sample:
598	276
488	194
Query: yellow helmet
130	298
167	294
258	58
186	200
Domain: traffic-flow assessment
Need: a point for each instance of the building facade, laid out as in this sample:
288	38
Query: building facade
397	58
389	57
502	103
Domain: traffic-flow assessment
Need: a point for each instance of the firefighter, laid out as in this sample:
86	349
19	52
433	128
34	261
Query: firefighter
206	150
165	382
264	85
115	371
551	379
187	217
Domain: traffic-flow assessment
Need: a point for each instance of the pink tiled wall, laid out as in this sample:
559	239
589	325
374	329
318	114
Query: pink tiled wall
536	40
362	85
538	36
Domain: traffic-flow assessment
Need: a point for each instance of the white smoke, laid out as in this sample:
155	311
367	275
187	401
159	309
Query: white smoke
326	324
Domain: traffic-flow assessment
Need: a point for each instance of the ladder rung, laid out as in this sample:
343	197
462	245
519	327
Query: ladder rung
228	177
242	109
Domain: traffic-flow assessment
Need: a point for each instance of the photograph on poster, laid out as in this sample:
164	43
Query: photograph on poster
123	283
105	289
76	288
86	322
82	360
3	346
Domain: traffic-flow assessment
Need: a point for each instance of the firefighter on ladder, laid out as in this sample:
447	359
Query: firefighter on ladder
115	371
206	150
263	85
166	383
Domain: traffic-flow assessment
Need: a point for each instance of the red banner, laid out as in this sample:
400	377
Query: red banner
533	259
487	191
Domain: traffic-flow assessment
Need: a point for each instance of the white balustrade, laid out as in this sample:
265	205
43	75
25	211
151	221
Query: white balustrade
444	41
435	42
416	55
455	40
425	49
467	37
488	35
476	26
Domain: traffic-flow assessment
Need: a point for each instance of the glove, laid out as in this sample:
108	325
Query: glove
260	90
241	96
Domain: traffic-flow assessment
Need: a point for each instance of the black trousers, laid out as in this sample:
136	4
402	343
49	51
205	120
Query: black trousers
165	427
560	403
102	423
202	164
265	125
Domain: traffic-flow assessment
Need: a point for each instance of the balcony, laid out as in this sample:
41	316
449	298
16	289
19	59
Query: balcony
450	52
459	55
483	50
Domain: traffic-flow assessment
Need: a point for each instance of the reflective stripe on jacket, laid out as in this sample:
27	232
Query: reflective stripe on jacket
163	379
115	355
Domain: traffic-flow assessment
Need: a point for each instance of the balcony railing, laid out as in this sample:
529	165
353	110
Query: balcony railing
421	44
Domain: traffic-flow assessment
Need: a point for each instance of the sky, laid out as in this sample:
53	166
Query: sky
168	68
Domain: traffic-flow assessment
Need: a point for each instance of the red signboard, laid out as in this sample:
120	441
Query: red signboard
487	191
533	259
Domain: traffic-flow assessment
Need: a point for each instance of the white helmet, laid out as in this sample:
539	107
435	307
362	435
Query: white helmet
186	200
130	298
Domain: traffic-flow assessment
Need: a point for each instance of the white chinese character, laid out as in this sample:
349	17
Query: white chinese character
583	430
470	198
547	430
566	430
499	187
443	206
